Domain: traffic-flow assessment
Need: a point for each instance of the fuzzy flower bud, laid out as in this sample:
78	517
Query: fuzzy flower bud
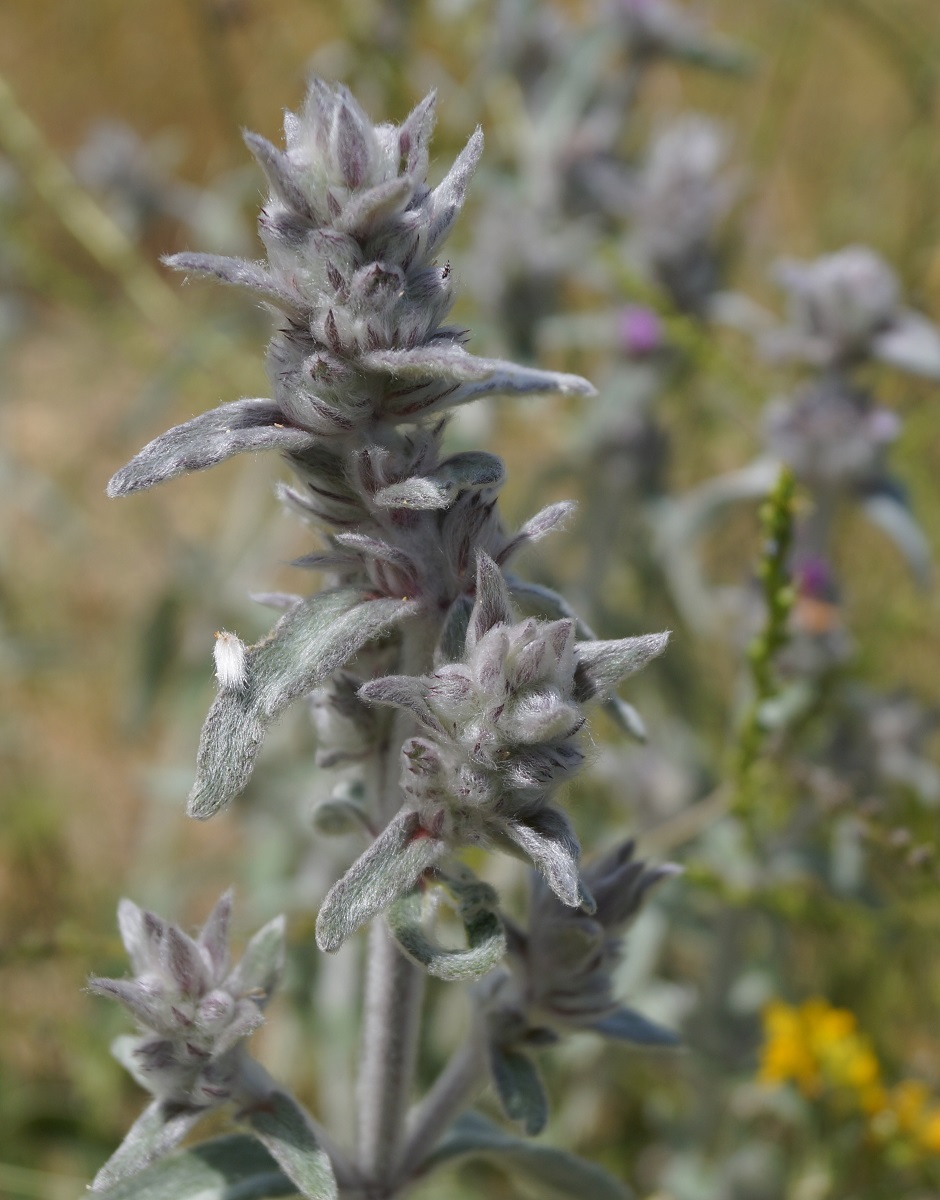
499	730
846	308
564	963
194	1009
840	301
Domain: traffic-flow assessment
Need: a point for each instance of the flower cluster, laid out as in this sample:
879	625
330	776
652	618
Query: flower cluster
195	1009
352	233
831	435
845	308
500	729
499	735
820	1049
562	979
564	962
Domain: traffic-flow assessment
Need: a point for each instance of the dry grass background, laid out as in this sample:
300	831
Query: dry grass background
107	610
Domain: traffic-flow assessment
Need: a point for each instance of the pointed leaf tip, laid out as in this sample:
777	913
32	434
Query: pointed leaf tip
492	605
282	1127
388	869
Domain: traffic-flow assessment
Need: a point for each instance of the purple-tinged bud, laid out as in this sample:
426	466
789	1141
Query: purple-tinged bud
194	1011
499	730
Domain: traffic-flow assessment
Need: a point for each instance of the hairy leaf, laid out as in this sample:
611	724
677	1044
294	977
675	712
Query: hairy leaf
309	642
206	440
282	1127
895	519
602	665
550	843
519	1087
558	1174
227	1168
626	1025
159	1129
389	868
239	272
912	343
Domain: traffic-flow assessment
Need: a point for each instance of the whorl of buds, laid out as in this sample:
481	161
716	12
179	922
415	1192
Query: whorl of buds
352	233
830	434
678	202
566	960
840	301
499	729
193	1007
562	979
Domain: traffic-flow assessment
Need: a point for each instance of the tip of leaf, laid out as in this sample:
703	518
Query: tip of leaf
202	804
120	484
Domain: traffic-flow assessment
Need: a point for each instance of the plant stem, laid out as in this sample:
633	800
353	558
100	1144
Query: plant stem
394	989
453	1091
394	986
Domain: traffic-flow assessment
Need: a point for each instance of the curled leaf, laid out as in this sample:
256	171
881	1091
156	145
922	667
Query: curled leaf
477	907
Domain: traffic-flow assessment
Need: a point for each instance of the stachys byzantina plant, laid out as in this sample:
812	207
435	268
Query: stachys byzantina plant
463	717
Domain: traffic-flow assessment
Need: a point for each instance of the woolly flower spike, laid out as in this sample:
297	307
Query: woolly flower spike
562	979
194	1010
567	958
499	736
352	233
845	308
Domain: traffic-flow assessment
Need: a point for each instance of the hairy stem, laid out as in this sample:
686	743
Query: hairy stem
394	986
391	1019
453	1091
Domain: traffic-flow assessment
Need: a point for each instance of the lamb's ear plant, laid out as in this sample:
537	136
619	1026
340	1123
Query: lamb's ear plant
462	718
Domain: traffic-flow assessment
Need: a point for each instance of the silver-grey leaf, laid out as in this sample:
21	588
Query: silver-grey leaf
281	1125
389	868
210	438
226	1168
309	642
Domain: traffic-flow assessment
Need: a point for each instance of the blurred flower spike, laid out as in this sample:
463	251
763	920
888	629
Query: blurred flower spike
845	308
